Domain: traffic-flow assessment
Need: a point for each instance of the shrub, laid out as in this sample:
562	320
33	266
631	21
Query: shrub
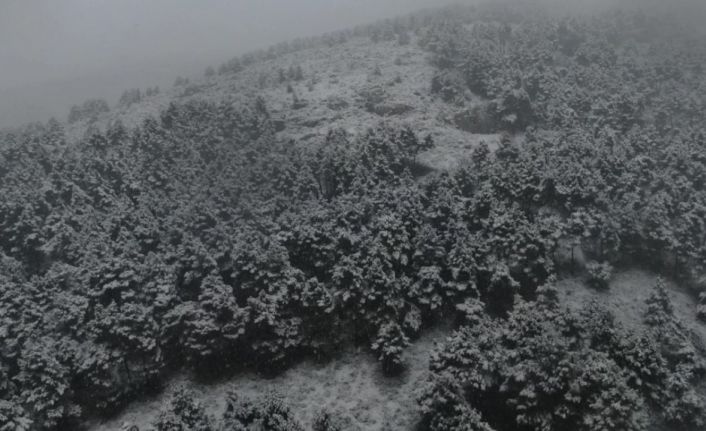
131	96
325	421
184	414
599	274
239	414
449	85
659	307
191	89
444	407
295	73
471	311
276	415
269	413
89	110
403	38
389	345
701	308
298	103
336	103
372	96
514	110
478	119
701	288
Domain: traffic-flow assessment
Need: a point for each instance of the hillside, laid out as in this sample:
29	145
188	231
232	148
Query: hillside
331	95
484	218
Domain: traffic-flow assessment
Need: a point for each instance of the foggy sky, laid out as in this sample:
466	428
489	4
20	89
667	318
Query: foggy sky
55	53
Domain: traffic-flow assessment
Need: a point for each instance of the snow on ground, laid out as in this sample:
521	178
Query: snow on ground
352	385
331	74
344	72
626	299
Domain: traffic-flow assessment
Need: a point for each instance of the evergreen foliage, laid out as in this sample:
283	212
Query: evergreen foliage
197	240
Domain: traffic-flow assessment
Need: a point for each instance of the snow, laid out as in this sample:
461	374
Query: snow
338	72
626	298
351	385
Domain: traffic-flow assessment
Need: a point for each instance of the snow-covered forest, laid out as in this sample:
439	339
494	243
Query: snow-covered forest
494	174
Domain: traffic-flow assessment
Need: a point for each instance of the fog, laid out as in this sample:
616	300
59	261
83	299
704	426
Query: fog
57	53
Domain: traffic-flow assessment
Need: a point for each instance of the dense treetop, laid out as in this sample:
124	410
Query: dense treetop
201	240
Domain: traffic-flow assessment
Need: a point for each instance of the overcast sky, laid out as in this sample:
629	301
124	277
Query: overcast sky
54	53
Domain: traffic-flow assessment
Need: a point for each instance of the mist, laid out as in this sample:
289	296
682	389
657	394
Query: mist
57	53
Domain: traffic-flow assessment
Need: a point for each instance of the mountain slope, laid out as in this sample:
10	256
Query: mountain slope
332	93
493	169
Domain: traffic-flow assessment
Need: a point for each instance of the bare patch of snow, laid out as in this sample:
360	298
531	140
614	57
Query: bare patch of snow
351	386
